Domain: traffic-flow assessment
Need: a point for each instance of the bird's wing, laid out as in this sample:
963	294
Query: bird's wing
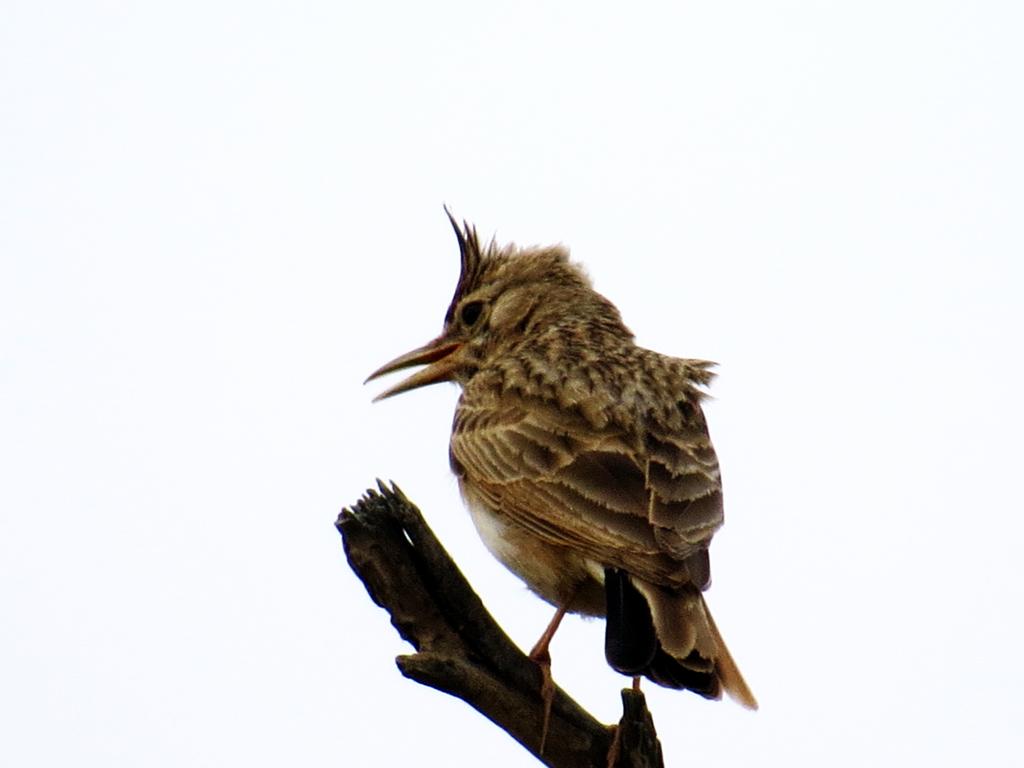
647	502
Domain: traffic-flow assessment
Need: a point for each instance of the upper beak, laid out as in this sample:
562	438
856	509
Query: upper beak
439	353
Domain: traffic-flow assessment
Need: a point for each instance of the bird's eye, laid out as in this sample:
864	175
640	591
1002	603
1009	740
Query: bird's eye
471	312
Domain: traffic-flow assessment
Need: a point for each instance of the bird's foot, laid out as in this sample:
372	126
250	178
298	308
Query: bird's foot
616	747
547	690
613	750
540	655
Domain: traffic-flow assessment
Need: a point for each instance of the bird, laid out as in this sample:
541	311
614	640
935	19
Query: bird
584	459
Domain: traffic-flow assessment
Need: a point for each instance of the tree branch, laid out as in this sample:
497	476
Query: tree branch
462	651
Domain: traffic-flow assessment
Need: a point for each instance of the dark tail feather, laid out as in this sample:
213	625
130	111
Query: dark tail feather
633	645
630	644
671	673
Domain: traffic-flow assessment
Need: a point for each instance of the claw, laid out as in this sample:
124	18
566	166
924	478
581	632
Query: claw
547	696
542	657
613	750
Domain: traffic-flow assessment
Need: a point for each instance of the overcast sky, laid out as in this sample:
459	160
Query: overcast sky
216	218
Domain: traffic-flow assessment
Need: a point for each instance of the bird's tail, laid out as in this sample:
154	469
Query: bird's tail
668	636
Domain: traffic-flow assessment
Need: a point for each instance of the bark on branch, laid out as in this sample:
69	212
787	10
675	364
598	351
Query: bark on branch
462	651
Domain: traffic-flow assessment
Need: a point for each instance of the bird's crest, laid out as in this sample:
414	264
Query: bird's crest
471	257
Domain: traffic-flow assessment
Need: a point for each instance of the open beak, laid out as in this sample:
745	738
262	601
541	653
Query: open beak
439	357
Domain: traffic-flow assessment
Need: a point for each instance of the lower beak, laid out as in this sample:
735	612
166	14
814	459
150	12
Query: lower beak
439	357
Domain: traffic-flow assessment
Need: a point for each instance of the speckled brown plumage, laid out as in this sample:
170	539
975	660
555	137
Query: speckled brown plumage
585	460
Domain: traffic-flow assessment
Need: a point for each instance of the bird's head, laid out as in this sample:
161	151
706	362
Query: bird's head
505	298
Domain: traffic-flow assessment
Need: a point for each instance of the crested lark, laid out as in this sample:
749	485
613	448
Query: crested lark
585	460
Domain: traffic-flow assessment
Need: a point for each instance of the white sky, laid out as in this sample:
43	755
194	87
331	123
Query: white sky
216	218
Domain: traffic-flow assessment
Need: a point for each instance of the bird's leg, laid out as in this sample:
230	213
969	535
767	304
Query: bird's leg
616	747
542	657
539	653
613	750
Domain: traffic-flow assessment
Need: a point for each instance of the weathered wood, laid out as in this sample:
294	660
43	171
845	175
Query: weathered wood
462	651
